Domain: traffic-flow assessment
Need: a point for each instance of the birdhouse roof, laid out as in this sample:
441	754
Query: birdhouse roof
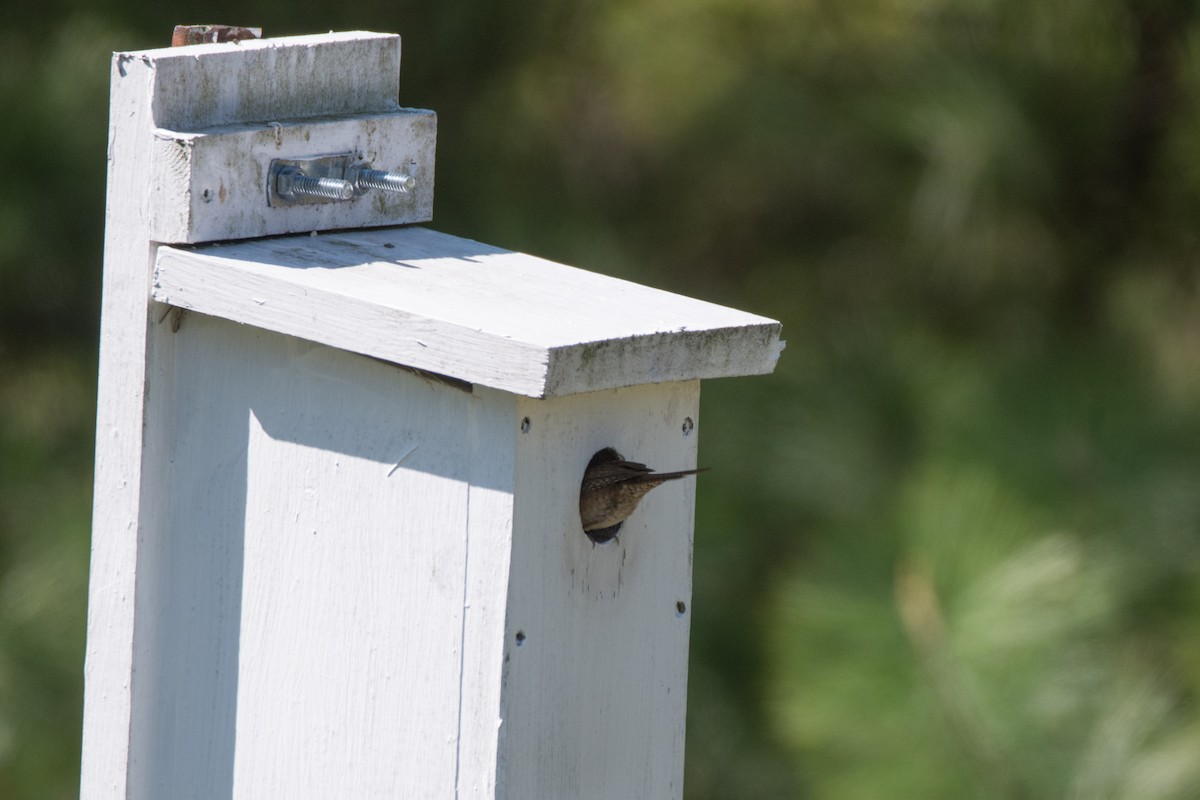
467	310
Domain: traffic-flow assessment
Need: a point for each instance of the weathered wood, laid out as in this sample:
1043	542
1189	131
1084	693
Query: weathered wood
135	484
317	574
211	184
300	621
595	685
494	428
574	654
260	80
352	602
123	502
468	310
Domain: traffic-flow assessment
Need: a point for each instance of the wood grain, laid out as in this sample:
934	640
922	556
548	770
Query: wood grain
212	184
129	716
471	311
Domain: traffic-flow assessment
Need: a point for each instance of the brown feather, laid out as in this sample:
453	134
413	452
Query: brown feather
611	489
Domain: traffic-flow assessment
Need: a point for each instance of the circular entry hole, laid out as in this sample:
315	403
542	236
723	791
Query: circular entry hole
520	638
680	608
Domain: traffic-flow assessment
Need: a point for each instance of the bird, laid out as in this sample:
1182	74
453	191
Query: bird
611	490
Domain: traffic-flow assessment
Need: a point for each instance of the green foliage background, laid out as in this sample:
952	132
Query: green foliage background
951	548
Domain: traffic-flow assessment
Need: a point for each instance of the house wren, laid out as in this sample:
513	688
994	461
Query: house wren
611	490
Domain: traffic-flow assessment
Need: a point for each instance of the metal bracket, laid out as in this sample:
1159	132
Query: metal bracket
329	179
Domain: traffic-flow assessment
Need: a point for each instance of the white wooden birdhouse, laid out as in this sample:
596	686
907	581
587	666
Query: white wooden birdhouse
337	548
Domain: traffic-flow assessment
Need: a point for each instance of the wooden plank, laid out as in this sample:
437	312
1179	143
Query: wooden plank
494	426
212	184
352	604
127	338
596	645
303	611
259	80
575	655
180	89
471	311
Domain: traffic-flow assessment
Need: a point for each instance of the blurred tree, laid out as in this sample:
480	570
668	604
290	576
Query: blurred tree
955	547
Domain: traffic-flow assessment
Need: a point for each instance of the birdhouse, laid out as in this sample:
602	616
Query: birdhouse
338	549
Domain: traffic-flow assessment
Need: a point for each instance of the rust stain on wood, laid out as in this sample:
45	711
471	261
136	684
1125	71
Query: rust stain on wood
207	34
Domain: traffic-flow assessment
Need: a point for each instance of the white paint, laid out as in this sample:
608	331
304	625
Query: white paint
212	184
494	431
591	703
467	310
126	335
310	568
594	699
264	80
188	88
352	581
301	619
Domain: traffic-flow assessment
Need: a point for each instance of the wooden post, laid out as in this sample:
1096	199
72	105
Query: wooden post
337	549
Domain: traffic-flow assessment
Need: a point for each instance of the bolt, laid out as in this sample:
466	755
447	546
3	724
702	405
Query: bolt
292	184
364	177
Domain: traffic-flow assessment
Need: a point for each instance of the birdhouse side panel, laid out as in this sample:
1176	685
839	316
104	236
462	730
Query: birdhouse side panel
300	606
594	693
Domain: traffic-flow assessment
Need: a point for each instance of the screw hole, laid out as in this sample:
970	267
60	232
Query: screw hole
680	608
526	425
520	638
688	425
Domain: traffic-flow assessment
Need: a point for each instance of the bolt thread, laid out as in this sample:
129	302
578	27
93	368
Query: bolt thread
386	181
329	188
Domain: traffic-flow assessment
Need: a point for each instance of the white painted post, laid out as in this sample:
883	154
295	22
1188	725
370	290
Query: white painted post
337	549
